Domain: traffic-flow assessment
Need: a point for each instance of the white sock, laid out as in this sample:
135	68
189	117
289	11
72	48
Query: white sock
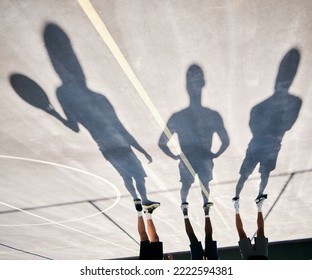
139	213
148	216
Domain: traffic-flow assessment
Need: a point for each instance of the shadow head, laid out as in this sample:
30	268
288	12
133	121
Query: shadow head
287	70
194	80
62	55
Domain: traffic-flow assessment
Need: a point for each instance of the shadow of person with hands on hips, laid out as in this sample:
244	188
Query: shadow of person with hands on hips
195	127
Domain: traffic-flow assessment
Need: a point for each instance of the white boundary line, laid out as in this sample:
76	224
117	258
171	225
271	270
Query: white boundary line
51	222
118	195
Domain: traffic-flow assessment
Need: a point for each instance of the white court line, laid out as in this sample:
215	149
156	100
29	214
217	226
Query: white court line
64	226
118	195
111	44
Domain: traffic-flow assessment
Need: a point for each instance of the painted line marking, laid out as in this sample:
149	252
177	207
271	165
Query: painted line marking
101	28
118	195
64	226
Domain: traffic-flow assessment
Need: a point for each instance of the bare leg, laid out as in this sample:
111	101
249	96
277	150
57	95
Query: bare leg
189	231
208	229
260	223
187	224
239	227
141	229
152	230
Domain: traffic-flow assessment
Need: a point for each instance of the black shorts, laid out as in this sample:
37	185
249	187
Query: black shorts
248	250
151	250
210	253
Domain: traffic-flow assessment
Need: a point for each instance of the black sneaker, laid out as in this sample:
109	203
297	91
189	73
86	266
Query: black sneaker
259	200
138	204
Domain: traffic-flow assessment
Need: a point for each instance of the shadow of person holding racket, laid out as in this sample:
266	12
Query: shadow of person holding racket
87	108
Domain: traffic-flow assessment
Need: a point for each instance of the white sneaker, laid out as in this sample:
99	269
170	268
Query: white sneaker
235	201
184	208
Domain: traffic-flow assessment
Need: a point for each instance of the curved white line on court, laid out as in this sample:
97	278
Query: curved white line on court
64	226
118	195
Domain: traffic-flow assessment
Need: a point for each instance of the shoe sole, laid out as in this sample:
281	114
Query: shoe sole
151	206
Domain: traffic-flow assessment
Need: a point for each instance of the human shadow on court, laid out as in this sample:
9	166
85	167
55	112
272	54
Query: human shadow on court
195	127
87	108
269	121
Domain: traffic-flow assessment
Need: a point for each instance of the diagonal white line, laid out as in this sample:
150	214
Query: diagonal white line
101	28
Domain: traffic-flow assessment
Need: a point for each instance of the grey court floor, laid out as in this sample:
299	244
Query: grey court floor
71	104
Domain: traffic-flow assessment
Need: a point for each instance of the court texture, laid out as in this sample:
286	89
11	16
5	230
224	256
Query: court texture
83	81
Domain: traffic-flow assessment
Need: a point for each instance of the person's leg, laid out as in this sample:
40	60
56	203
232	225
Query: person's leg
211	250
261	242
239	227
187	224
208	226
151	229
260	220
141	225
197	251
238	221
260	223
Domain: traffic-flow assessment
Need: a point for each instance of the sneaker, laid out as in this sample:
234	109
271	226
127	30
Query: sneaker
138	204
260	199
235	201
207	205
150	207
184	207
